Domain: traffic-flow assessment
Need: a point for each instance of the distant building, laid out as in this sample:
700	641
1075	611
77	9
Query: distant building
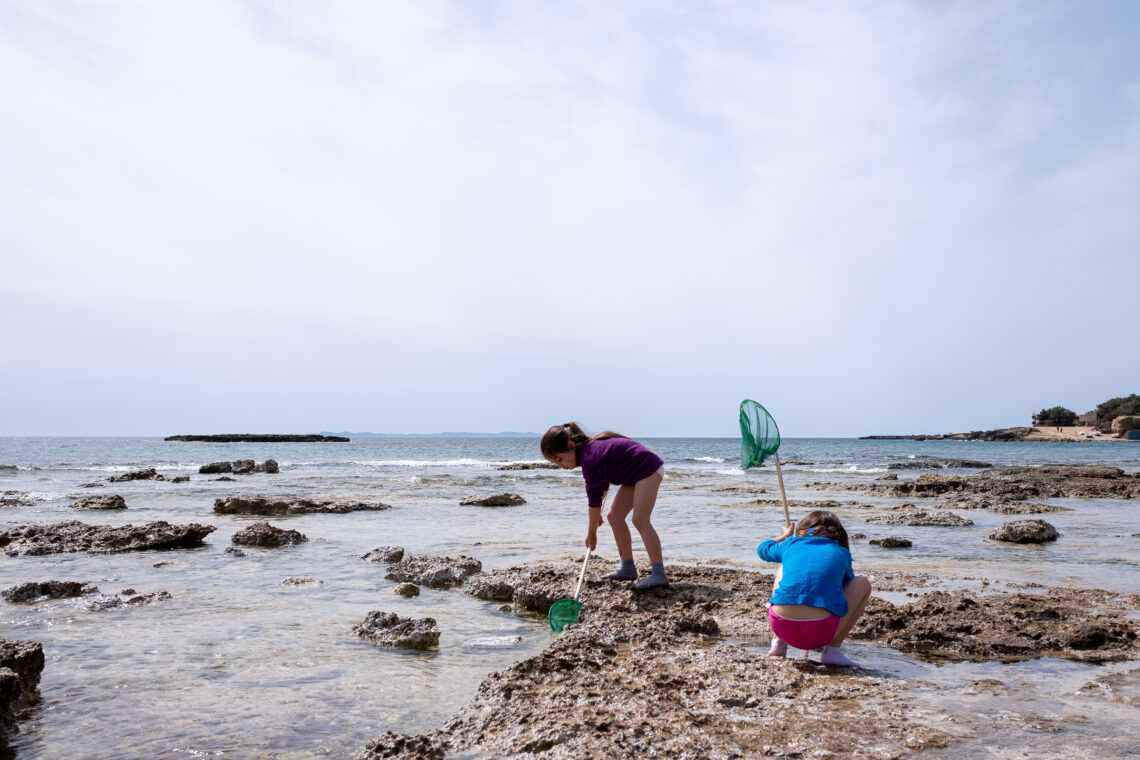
1088	418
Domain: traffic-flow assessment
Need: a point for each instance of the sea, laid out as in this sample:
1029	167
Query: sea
237	663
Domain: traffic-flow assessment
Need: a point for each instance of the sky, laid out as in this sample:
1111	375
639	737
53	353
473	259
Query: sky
878	217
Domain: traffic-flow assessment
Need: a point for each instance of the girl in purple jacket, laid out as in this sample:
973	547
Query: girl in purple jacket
611	459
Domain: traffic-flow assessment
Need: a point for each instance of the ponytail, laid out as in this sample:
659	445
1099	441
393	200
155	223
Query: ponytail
562	438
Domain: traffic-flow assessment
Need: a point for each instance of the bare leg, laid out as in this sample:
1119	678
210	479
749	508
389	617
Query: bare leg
857	591
779	647
622	505
644	499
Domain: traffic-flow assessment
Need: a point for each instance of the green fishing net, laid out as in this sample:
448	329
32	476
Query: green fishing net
759	436
563	613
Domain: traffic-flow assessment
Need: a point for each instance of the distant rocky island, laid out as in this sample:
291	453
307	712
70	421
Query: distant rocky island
507	434
259	438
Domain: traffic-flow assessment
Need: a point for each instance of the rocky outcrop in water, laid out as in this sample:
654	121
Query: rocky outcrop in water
407	590
1020	483
645	674
498	500
434	572
267	536
16	499
107	501
75	536
529	466
34	591
937	464
387	554
1025	532
891	542
240	467
128	597
259	438
147	474
21	663
269	507
909	514
390	630
1002	505
1087	626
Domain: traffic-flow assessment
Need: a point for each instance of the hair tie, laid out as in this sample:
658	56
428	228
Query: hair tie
810	532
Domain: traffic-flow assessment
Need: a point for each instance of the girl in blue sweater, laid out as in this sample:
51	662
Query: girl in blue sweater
817	597
612	459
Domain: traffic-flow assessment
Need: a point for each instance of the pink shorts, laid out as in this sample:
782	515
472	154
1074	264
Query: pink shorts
804	634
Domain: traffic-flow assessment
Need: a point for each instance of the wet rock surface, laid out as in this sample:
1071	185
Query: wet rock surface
267	536
389	629
937	464
21	664
107	501
240	466
128	597
909	514
529	466
266	506
645	674
1019	483
34	591
147	474
1025	532
16	499
75	536
434	572
384	554
1002	505
891	542
407	590
1086	626
497	500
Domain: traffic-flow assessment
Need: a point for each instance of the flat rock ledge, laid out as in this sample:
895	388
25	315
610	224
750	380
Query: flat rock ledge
390	630
434	572
529	466
1021	483
34	591
388	554
267	536
21	664
909	514
240	466
1025	532
106	501
262	505
656	674
147	474
128	597
74	536
498	500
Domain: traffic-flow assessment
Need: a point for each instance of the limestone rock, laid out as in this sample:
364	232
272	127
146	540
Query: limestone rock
389	629
499	500
434	572
386	554
264	535
407	590
106	501
35	590
1025	532
146	474
21	663
75	536
263	505
891	542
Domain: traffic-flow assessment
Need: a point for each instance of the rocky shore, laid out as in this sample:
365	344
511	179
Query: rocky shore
259	438
679	672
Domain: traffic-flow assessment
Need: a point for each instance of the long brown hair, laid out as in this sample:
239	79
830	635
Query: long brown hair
823	524
561	438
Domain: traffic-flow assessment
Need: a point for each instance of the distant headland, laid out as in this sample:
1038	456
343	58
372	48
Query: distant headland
507	434
259	438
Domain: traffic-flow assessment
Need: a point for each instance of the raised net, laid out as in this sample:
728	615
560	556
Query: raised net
759	436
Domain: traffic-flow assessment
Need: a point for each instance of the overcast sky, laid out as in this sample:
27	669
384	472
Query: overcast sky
878	217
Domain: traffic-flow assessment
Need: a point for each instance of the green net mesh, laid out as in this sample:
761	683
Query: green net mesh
563	613
759	436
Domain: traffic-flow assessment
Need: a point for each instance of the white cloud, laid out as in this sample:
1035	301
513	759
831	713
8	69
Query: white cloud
436	216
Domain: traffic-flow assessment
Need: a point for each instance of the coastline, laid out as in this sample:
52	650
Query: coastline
1072	433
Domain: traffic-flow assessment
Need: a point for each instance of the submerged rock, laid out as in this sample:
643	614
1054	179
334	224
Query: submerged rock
306	581
434	572
529	466
35	590
216	468
1025	532
389	629
21	664
384	554
264	535
1002	505
75	536
499	500
407	590
263	505
128	597
16	499
107	501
